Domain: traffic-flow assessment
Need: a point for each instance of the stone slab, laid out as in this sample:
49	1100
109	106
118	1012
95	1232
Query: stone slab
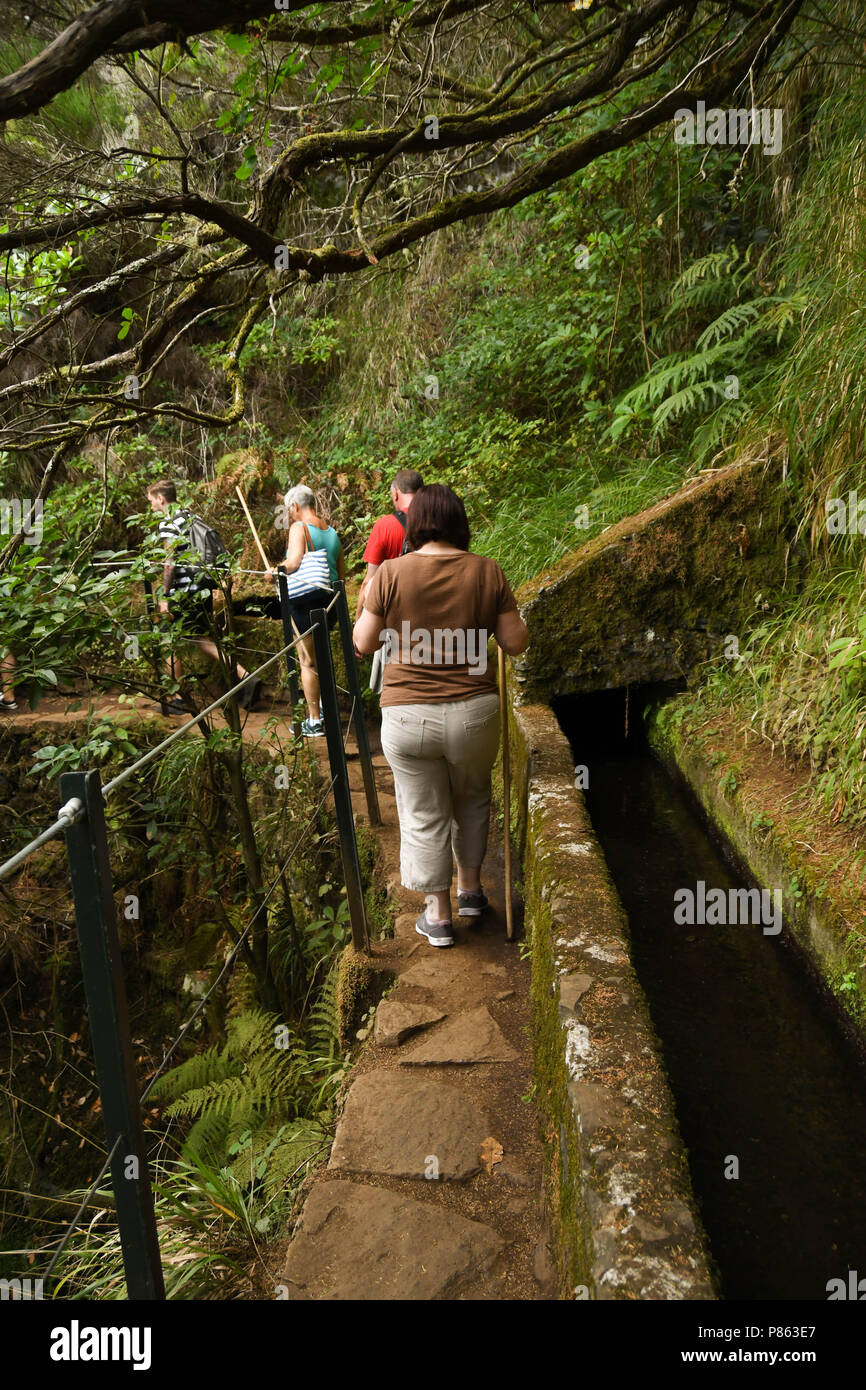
409	1127
395	1021
469	1037
357	1242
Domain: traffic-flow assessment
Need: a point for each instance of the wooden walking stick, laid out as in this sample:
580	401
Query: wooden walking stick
266	561
506	794
291	659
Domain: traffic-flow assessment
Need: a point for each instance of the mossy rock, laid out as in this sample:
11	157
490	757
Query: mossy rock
360	984
656	594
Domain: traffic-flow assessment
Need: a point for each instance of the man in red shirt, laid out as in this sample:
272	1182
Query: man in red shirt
389	532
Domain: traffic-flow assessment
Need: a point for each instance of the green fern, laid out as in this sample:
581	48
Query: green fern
194	1073
264	1076
324	1022
734	319
686	400
737	342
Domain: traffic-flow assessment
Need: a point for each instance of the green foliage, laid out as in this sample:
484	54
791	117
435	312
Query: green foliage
800	683
292	339
242	1094
106	739
208	1224
722	376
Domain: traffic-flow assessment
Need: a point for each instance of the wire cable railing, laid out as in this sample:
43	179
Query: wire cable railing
172	1049
81	819
191	723
67	815
85	1203
73	811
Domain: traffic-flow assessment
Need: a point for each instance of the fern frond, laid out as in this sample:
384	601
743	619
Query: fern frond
196	1071
676	372
782	313
233	1094
323	1028
251	1031
711	432
682	402
736	317
208	1137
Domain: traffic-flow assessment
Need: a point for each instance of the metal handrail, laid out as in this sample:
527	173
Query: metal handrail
68	815
148	757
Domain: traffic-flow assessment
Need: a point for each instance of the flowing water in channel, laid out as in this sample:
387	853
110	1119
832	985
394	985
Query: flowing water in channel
760	1067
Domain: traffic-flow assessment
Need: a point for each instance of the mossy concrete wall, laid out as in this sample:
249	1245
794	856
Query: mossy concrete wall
624	1219
771	851
657	593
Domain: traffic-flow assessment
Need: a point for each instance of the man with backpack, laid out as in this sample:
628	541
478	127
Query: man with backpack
187	587
387	539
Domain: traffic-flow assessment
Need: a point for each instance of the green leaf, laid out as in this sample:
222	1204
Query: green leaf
238	43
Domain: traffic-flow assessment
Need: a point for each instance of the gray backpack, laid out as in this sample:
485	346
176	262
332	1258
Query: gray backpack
209	544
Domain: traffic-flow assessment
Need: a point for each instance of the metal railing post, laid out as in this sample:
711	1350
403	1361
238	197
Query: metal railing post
340	774
291	656
354	684
92	891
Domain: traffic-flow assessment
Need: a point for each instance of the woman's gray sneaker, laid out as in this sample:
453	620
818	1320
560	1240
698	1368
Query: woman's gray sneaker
437	933
470	904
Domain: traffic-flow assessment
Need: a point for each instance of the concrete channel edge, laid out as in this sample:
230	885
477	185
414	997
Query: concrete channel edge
624	1216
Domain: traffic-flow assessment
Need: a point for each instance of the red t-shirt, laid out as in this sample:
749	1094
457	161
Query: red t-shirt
386	541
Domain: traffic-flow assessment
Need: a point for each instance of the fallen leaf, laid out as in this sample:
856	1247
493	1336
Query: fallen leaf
491	1152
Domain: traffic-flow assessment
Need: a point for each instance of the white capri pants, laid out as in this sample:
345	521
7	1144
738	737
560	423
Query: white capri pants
441	757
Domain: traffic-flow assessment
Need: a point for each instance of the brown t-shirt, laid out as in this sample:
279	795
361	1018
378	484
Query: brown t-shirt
439	610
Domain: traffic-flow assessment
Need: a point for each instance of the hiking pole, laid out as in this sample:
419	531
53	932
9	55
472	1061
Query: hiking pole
267	563
506	794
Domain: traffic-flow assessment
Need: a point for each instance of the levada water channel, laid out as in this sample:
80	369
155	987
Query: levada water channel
760	1066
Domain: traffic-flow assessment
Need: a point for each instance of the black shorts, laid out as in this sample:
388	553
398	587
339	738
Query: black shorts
301	608
193	613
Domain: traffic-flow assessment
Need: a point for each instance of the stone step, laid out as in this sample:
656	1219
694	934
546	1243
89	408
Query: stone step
396	1021
470	1037
358	1242
409	1126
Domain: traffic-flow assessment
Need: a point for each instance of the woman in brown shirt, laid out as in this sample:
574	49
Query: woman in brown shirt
432	611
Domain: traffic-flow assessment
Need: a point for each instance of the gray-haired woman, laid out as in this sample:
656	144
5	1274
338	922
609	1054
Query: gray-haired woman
308	532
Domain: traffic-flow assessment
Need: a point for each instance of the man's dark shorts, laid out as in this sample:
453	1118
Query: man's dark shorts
193	613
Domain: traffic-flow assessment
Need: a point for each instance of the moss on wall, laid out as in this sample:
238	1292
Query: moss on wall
657	593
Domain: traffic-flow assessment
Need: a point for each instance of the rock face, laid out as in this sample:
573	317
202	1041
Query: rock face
409	1126
356	1242
658	592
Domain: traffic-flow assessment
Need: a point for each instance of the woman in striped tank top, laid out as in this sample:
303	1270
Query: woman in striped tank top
309	532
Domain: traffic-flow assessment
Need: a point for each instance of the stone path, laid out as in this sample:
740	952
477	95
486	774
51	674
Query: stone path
433	1188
